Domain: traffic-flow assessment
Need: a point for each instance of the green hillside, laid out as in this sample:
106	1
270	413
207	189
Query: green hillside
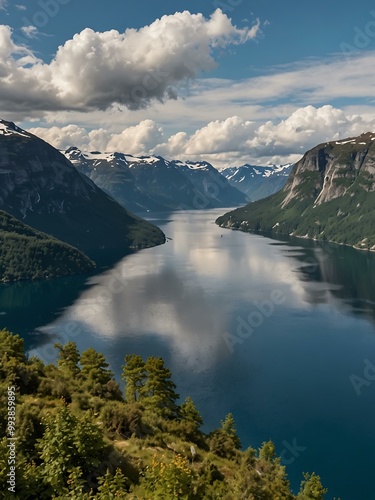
329	196
29	254
79	437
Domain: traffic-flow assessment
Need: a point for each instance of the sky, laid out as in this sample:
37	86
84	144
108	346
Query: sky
226	81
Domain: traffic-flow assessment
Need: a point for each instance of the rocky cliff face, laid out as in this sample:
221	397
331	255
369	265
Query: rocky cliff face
329	195
154	183
39	186
330	170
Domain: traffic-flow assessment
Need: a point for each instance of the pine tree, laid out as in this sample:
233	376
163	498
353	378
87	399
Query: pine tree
311	488
69	357
95	367
228	426
188	411
159	390
133	374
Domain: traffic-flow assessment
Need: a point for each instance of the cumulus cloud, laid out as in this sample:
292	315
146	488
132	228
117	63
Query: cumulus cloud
305	128
63	137
137	140
96	70
233	141
216	137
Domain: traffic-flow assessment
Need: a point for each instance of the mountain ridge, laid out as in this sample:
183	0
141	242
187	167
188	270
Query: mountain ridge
39	186
258	181
330	196
143	183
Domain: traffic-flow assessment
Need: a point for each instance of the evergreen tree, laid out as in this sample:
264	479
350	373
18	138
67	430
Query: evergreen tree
68	358
267	451
95	367
311	488
228	426
133	374
159	390
188	411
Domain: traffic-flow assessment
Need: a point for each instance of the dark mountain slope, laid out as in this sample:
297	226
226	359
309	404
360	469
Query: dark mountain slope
41	187
29	254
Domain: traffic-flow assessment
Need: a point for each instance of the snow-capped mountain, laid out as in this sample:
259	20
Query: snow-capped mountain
42	188
258	181
154	183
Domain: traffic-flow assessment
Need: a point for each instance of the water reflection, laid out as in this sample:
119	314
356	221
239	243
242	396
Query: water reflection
189	291
288	379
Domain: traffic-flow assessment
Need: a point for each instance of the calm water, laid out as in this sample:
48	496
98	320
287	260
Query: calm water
288	378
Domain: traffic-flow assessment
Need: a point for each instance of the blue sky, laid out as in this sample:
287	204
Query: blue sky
256	81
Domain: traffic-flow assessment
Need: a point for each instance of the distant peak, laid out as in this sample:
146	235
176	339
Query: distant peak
10	128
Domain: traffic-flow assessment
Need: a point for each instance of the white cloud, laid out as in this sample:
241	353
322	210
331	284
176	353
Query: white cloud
138	139
30	31
21	7
216	137
63	137
96	70
305	128
3	4
233	141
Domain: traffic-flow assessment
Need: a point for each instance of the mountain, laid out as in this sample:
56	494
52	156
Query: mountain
42	188
258	182
330	195
28	254
154	183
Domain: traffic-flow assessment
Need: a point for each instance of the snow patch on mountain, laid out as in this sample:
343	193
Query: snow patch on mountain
9	128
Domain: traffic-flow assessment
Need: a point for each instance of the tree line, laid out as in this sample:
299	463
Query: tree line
80	437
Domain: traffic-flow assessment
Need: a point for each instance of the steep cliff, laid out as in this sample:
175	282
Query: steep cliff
330	195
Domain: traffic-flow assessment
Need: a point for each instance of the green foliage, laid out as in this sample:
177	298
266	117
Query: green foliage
169	479
189	412
311	488
102	447
26	253
95	371
134	375
158	391
29	428
347	216
228	427
68	443
267	451
112	487
14	368
69	358
122	420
